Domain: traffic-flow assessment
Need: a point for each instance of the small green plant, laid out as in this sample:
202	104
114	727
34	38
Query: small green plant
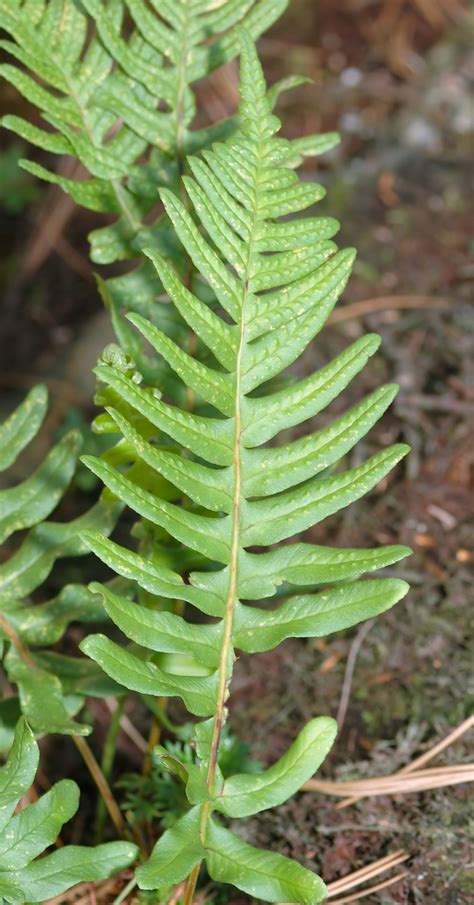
230	290
159	795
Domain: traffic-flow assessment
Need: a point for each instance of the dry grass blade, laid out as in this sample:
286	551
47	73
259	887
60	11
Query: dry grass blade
453	736
369	872
355	897
440	746
396	784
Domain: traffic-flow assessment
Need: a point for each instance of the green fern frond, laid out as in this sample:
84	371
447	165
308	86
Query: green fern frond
48	694
273	283
125	91
25	877
114	82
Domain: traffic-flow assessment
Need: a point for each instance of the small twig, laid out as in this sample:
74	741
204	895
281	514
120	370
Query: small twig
63	388
74	260
63	897
176	895
70	894
435	403
128	728
102	785
348	675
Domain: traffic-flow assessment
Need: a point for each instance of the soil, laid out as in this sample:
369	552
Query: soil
397	90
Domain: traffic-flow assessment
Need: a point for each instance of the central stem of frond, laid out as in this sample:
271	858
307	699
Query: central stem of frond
226	662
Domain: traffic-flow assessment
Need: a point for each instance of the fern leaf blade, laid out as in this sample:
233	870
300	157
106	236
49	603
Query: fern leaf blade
34	499
261	874
175	854
306	564
161	631
317	615
198	693
214	387
18	774
208	438
150	576
17	431
280	516
244	794
264	418
204	534
274	469
38	826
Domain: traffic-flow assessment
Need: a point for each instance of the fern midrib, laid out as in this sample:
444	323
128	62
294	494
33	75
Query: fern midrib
226	666
225	674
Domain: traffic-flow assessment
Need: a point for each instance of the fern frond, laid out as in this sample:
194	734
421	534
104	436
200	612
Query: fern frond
273	283
30	628
113	97
25	877
114	82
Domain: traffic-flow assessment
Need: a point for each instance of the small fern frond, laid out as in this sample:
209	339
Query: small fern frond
25	877
45	688
272	285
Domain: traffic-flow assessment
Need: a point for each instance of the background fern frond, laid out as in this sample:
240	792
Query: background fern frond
114	84
25	877
50	691
240	495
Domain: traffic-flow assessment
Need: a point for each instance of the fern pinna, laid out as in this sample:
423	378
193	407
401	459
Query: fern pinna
274	283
